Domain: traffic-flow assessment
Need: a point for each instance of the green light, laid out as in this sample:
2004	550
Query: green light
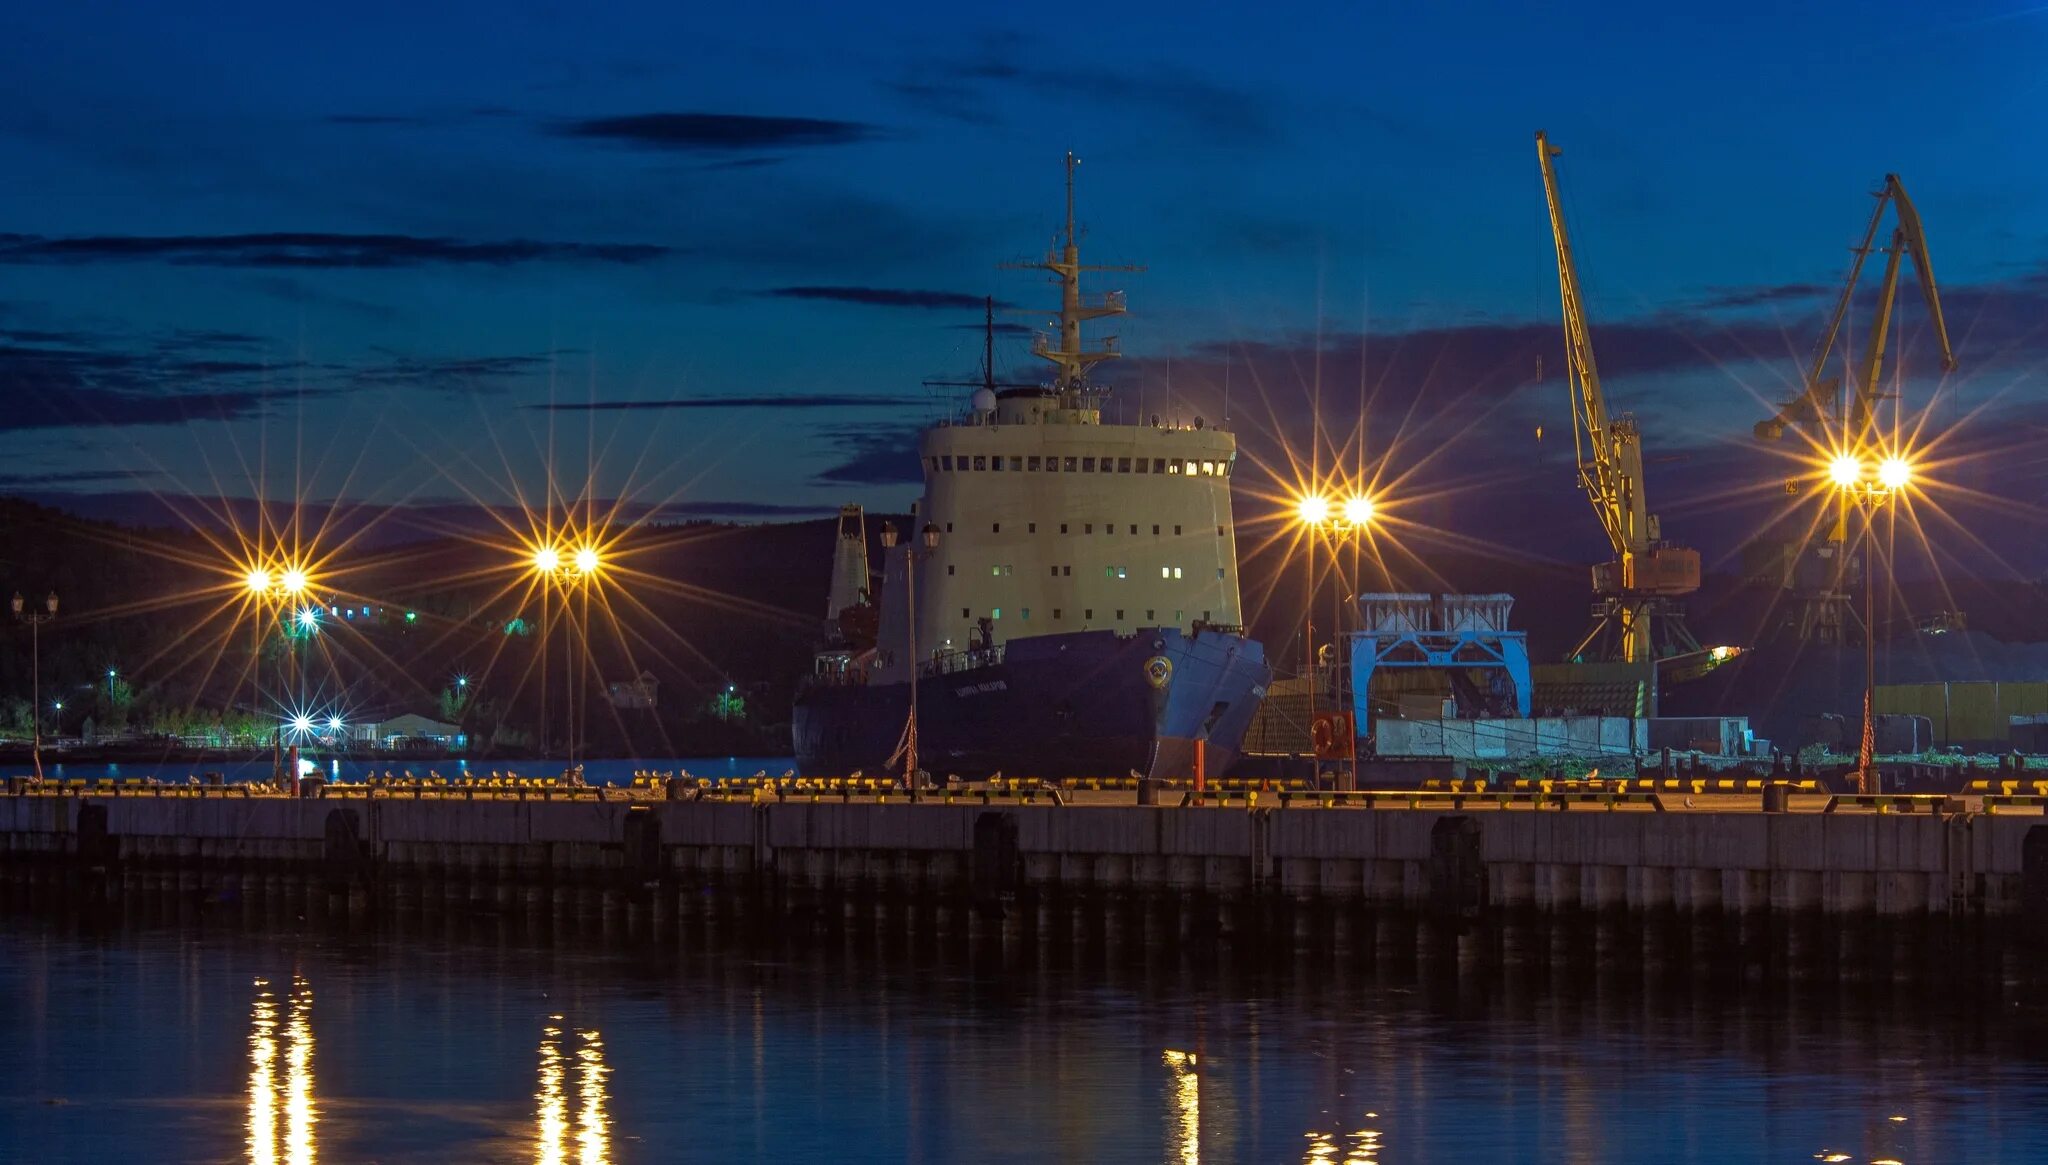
412	616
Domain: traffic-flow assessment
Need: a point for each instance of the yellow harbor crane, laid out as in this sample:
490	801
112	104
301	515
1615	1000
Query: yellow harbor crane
1636	618
1820	409
1818	573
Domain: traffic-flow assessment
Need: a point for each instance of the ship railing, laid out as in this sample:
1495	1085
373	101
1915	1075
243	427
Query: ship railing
946	663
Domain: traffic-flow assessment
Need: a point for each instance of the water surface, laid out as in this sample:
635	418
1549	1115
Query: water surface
225	1044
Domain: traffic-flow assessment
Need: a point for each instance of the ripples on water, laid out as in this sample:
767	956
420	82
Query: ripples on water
284	1049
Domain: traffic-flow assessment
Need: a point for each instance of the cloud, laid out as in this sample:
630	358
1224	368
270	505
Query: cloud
718	132
798	401
883	297
27	481
450	373
1720	298
312	249
971	91
373	119
1002	328
873	455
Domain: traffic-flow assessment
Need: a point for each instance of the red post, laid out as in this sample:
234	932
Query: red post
1201	765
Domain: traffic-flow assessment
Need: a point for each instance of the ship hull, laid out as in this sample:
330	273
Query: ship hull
1085	704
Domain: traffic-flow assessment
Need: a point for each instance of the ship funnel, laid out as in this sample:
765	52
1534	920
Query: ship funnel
849	565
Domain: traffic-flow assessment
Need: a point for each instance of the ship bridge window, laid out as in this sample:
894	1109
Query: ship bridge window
1107	467
1123	465
1208	469
981	463
1087	465
1031	464
1219	572
1071	462
1144	465
1067	571
964	613
1055	572
1155	530
1055	612
1063	527
995	465
1159	465
1024	613
1119	614
997	528
1173	467
1016	465
995	612
1052	465
949	568
1088	528
1087	612
1191	469
1148	615
1134	527
1176	530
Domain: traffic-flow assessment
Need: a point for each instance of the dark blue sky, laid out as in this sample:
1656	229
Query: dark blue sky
361	249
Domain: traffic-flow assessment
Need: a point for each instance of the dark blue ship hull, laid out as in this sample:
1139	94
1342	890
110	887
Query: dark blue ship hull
1085	704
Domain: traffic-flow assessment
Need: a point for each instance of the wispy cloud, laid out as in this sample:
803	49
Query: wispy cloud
797	401
718	132
312	249
878	454
883	297
973	91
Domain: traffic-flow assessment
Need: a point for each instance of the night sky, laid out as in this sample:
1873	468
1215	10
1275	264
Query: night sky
397	254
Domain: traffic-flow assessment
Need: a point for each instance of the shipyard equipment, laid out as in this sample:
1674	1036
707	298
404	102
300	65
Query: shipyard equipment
1636	616
1836	418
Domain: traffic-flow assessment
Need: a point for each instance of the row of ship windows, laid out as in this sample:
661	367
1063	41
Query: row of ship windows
995	463
1087	613
1005	570
1086	528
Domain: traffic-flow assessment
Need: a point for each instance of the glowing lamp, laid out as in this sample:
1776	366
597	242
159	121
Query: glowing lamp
547	560
586	560
1894	473
1358	510
1845	471
334	724
1313	510
293	581
302	723
257	580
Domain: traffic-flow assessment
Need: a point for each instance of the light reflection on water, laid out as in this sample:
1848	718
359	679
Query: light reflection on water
298	1104
428	1050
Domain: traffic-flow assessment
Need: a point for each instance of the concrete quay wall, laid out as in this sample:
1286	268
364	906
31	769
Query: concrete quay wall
1470	863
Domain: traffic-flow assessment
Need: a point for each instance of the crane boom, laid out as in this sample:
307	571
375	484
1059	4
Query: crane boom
1821	406
1610	450
1636	615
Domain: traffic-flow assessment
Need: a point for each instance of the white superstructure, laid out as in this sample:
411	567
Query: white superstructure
1050	521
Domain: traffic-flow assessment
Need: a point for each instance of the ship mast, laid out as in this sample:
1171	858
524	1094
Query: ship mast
1072	359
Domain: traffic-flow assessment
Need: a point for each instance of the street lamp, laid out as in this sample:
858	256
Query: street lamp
35	622
930	537
557	567
1348	518
1869	484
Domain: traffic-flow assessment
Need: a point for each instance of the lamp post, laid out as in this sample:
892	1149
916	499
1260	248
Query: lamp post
35	621
275	589
558	569
1312	512
930	537
1869	484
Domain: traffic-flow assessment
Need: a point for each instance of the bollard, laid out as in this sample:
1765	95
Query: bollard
1148	791
1777	798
